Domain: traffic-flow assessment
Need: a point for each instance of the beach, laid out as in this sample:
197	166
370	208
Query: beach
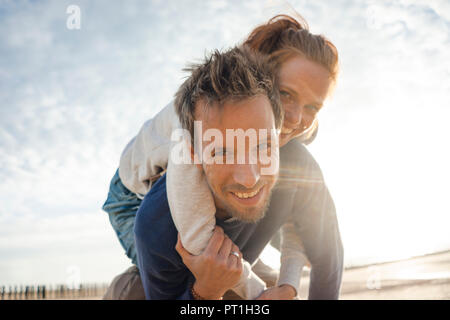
420	278
423	278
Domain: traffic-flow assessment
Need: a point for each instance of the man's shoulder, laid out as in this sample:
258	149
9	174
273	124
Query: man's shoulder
154	224
296	160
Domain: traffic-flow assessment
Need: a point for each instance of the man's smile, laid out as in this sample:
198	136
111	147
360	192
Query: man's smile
248	198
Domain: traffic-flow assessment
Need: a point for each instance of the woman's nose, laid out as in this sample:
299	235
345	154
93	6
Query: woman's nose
294	116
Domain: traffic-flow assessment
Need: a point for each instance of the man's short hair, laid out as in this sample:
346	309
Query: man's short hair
234	75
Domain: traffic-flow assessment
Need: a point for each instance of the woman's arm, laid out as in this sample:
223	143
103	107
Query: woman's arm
314	217
146	155
293	257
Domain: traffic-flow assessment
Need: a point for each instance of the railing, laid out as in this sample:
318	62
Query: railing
55	292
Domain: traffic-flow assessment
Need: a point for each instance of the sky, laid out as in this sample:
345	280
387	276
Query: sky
71	99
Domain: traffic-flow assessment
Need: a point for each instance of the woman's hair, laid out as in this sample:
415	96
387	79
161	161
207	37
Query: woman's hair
283	37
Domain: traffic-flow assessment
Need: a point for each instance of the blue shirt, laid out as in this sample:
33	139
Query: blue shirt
300	194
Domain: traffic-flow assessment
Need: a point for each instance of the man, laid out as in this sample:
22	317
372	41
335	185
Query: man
221	94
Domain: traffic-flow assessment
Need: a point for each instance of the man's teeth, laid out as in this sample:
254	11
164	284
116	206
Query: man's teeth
285	130
246	195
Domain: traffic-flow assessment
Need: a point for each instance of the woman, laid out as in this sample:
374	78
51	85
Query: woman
307	70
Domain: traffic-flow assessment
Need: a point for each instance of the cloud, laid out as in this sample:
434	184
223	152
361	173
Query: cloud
70	100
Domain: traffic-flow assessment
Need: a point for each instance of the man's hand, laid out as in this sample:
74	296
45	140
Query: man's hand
216	270
283	292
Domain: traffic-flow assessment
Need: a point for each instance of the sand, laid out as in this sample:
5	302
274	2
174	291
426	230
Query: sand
422	278
426	277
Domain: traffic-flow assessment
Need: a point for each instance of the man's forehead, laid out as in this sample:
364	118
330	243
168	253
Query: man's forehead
247	113
207	111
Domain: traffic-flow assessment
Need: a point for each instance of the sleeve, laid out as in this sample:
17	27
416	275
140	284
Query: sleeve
161	278
250	286
293	258
145	156
193	211
318	227
163	274
191	205
314	217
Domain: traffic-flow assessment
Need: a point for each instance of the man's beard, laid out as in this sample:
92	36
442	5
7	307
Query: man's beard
250	215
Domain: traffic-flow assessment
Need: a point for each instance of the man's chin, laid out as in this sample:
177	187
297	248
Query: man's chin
248	215
244	213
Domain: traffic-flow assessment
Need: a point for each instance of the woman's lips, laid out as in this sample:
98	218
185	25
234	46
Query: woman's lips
285	130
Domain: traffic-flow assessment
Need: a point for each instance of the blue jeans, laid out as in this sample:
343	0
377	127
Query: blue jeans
121	206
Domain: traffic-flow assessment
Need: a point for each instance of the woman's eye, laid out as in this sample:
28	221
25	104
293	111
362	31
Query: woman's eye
287	98
312	108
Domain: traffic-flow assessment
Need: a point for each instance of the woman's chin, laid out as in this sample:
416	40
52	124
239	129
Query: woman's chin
285	138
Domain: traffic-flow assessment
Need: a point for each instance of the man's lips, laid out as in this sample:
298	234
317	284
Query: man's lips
248	198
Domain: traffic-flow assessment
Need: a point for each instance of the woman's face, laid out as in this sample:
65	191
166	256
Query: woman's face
304	86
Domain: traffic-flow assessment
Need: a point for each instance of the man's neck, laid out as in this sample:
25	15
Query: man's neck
222	214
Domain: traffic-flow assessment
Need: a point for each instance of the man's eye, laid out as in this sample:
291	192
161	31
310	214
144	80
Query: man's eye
219	153
263	146
285	94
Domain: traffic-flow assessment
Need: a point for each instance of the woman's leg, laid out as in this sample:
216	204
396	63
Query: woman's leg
121	206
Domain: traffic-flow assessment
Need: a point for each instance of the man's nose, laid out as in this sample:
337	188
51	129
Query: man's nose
247	175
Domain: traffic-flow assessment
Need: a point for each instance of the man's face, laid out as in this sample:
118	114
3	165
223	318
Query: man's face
239	187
